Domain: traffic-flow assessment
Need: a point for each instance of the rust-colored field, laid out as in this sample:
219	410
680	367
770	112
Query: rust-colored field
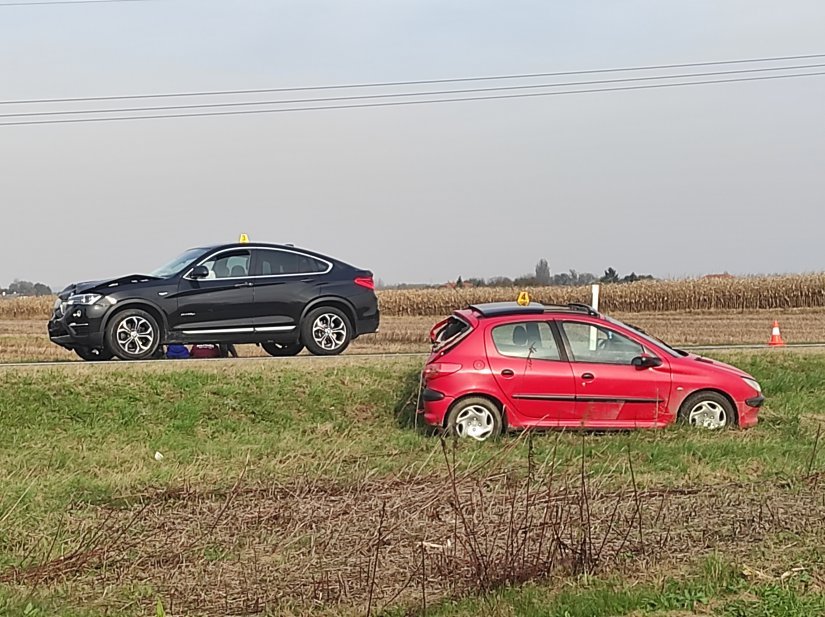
26	339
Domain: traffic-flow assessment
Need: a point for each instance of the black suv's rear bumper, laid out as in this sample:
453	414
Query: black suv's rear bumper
79	326
368	324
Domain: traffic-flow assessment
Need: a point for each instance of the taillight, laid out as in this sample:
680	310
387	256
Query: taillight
365	281
440	369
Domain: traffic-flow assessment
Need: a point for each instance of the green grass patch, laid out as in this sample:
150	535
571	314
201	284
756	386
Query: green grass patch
714	587
87	434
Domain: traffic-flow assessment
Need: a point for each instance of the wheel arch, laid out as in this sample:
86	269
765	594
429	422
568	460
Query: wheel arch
143	305
334	301
722	393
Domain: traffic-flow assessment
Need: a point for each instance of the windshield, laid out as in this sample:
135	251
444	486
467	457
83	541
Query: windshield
178	263
650	339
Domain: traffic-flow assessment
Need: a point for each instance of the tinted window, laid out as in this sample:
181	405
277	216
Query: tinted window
271	263
234	264
530	339
589	343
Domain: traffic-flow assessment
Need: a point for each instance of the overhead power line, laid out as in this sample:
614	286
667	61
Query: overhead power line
47	2
404	94
408	82
416	102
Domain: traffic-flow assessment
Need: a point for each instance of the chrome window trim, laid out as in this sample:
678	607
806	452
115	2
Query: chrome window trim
259	276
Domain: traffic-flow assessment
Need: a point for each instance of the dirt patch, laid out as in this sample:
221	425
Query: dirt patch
307	546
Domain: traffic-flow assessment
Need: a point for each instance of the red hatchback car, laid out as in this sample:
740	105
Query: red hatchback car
502	365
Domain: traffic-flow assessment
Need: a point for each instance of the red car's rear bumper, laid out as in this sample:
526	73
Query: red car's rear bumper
434	405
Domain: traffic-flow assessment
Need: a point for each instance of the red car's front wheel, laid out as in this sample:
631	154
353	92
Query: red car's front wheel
707	409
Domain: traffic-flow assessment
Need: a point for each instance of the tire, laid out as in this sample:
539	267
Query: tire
326	331
94	354
476	418
708	410
280	350
133	334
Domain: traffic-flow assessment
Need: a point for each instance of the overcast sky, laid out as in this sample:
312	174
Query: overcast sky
674	182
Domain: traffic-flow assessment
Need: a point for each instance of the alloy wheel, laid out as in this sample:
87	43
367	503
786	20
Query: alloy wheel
135	335
329	331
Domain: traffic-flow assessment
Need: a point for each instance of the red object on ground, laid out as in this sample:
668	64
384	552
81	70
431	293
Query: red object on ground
205	350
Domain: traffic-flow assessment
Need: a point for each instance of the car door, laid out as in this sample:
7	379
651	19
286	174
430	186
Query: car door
221	303
532	372
285	282
610	391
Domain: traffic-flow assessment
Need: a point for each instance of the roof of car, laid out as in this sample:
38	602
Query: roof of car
240	245
498	309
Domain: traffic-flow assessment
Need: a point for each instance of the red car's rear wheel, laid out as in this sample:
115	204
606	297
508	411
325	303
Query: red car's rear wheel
475	417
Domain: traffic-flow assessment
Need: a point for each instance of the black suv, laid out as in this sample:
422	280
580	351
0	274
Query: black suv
281	297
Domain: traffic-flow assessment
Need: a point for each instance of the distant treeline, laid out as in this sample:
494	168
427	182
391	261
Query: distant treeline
26	288
541	278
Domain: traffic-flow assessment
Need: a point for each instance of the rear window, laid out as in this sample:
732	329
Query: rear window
449	333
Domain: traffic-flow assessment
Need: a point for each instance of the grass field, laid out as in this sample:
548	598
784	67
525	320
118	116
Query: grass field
297	488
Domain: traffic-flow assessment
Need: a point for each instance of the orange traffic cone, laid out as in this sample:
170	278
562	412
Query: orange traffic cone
776	337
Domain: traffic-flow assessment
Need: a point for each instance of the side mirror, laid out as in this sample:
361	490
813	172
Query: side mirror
646	362
199	272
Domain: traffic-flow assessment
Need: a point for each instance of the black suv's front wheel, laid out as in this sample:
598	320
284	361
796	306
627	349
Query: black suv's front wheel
133	334
326	331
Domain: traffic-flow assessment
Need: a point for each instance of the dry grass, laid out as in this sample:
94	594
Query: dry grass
310	546
26	340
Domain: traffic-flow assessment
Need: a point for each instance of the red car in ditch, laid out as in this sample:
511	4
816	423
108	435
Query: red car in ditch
504	366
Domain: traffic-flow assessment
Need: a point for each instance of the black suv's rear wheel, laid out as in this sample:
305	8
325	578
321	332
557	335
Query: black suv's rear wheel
133	334
94	354
326	331
282	349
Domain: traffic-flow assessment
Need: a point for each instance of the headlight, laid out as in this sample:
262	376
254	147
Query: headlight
84	298
753	384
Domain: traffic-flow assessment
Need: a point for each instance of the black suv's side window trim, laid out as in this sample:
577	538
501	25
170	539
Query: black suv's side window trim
253	264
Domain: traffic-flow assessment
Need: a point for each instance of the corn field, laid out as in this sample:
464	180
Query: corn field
26	308
751	293
741	294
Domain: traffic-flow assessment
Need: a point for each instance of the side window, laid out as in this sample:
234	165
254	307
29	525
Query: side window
273	263
229	265
529	339
590	343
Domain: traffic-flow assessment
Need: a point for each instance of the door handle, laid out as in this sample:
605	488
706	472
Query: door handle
308	280
244	284
507	373
588	376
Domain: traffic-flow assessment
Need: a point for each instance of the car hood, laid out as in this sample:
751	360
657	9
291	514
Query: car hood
717	365
105	285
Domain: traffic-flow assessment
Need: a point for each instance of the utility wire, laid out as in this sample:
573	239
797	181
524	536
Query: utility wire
417	102
410	82
401	94
47	2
